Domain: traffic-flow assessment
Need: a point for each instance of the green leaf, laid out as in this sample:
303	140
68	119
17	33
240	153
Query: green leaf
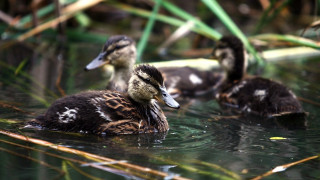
185	15
233	28
145	36
41	12
21	65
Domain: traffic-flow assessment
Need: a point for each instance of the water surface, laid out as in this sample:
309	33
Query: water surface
199	138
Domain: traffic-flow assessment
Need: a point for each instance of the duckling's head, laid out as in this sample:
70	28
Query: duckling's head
119	51
146	84
232	56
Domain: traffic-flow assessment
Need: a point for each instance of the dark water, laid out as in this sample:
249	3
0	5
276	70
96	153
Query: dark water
199	137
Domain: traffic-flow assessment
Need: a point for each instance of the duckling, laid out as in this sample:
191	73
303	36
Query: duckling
120	51
254	95
187	81
111	112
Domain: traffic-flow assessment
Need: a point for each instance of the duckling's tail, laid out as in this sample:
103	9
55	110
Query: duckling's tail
292	120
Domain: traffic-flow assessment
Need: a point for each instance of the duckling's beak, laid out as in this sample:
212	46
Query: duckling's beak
97	62
167	99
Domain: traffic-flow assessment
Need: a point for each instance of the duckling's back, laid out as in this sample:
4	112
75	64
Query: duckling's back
87	112
264	97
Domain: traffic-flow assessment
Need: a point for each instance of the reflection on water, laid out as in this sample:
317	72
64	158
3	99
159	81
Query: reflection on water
200	132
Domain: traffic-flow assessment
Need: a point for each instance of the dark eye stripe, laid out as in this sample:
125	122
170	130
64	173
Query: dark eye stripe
115	48
148	82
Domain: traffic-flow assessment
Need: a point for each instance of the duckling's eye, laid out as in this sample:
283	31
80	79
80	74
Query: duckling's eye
148	80
119	46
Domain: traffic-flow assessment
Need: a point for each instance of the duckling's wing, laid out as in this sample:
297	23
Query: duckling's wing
73	113
189	81
118	106
125	126
266	97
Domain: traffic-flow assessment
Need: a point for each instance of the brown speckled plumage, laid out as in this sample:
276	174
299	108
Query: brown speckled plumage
107	112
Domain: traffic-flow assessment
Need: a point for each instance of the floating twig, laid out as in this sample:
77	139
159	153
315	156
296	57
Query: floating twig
284	167
128	166
68	11
179	33
193	169
7	18
82	163
308	101
315	25
9	106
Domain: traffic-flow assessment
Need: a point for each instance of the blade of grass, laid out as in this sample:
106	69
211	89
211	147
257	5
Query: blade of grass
217	167
274	14
16	85
9	121
145	36
233	28
198	63
264	17
20	66
65	169
185	15
34	96
83	19
163	18
289	38
28	77
179	33
79	171
146	14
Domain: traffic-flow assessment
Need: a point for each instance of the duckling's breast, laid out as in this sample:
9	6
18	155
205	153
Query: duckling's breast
157	117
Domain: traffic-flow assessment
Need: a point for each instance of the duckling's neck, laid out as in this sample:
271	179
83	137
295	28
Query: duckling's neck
122	74
234	76
120	78
239	69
